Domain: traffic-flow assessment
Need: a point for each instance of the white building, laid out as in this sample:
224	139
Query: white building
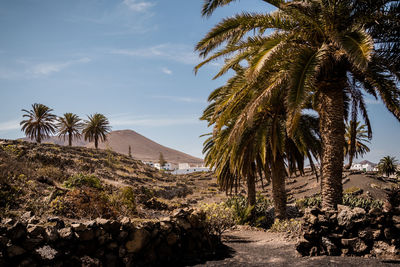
363	167
191	170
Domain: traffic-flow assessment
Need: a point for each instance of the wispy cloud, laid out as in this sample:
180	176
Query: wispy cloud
47	68
9	126
138	6
181	99
173	52
150	121
166	71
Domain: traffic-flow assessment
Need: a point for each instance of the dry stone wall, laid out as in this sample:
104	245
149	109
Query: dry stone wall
352	232
182	238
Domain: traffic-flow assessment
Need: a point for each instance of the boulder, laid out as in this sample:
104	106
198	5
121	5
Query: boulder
303	247
35	230
31	243
172	238
17	231
348	217
330	248
139	239
355	244
51	234
384	250
14	250
66	233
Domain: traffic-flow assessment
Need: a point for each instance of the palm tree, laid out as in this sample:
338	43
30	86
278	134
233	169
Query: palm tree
323	48
235	151
69	125
387	165
96	128
39	123
355	138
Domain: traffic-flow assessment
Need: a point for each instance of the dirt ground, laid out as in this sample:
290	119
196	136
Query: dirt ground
259	248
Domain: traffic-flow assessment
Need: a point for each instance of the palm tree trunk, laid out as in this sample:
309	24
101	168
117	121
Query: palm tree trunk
96	142
38	136
278	174
251	190
70	139
331	112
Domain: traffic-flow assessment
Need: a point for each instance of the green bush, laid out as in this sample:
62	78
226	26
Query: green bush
80	180
219	217
348	200
287	226
128	198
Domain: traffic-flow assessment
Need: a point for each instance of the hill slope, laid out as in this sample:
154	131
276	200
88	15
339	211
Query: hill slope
142	147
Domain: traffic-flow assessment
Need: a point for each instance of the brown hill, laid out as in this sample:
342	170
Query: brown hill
142	147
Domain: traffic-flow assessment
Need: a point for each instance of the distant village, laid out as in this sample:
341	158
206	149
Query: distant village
180	168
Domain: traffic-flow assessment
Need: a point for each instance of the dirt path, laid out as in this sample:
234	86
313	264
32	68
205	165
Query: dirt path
257	248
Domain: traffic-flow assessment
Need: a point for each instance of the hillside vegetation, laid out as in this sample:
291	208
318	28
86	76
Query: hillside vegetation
77	182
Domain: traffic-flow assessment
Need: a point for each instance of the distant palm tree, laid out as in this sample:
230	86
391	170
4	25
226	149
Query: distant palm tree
355	138
39	123
387	165
69	125
96	128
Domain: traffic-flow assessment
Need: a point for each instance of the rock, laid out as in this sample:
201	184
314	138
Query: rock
166	226
59	223
382	249
387	232
183	223
14	250
397	226
66	233
172	238
396	219
35	230
51	234
77	227
33	220
303	247
365	234
31	243
86	235
104	223
140	238
26	216
330	247
376	234
17	232
375	212
348	217
355	244
8	221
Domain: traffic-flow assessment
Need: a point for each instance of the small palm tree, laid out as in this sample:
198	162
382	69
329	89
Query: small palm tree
355	138
387	165
39	123
96	128
69	125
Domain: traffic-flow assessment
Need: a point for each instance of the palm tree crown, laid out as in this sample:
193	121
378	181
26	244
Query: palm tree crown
387	165
324	52
355	138
96	128
70	124
39	123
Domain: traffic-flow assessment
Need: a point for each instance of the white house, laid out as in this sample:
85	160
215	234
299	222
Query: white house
191	170
363	167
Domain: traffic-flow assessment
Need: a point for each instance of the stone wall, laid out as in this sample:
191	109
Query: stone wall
182	238
352	232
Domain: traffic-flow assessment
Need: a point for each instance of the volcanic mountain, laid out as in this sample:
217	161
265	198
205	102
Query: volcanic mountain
142	147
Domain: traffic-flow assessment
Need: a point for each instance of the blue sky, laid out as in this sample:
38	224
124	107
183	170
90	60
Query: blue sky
131	60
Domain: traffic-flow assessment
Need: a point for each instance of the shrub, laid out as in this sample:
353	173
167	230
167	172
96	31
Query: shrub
50	173
353	191
288	226
348	200
128	198
83	203
219	217
80	180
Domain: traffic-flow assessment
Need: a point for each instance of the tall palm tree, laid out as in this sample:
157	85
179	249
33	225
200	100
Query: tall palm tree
387	165
355	138
39	123
317	47
96	129
70	124
235	151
